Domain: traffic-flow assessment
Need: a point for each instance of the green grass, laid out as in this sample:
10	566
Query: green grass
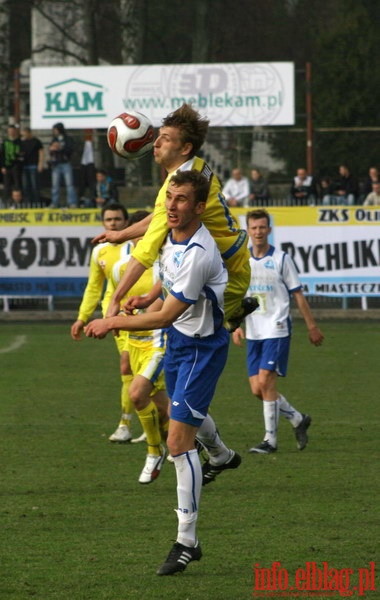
75	524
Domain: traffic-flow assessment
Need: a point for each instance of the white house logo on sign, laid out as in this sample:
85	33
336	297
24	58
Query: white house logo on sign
73	98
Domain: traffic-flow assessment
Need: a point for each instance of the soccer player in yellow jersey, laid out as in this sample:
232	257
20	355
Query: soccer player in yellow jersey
103	258
180	138
147	390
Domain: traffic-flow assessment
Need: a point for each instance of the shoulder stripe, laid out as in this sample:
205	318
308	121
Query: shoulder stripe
200	165
206	171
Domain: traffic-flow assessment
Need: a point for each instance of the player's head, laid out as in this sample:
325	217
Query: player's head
186	198
258	227
198	182
192	127
260	213
114	216
137	216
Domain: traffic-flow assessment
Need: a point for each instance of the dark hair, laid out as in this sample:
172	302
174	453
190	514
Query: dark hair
193	128
115	206
137	216
258	214
60	127
199	183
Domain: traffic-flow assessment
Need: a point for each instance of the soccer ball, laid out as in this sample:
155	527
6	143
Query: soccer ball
130	135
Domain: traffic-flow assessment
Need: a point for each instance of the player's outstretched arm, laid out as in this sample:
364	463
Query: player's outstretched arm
136	230
316	336
171	309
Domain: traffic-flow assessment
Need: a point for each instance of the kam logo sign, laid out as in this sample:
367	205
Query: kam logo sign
73	98
229	94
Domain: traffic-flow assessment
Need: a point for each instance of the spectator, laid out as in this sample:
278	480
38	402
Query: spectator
372	177
345	188
33	155
16	198
61	149
259	192
87	172
325	189
236	189
303	191
11	163
373	199
105	189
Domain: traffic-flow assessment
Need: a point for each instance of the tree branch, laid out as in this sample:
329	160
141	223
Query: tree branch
59	28
61	51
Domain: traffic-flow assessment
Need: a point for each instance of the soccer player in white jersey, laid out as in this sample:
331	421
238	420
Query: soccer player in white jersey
274	279
193	280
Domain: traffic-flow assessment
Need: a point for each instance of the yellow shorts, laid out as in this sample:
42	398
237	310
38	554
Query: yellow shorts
149	363
122	341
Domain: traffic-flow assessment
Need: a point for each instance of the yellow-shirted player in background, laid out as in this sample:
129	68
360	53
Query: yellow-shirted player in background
103	258
146	355
180	138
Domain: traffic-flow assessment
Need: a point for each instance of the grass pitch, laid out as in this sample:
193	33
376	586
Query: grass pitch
76	524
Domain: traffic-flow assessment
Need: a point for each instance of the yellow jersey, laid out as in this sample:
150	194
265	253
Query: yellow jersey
142	339
103	258
223	226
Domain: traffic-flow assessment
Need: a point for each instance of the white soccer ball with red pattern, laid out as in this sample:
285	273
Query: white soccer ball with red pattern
130	135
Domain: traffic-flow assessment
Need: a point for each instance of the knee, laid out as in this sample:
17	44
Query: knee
135	397
255	386
256	391
176	444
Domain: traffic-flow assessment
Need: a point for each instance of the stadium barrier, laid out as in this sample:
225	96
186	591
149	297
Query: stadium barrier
44	254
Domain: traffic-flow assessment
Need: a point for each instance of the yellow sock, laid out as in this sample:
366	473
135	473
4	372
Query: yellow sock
150	423
127	407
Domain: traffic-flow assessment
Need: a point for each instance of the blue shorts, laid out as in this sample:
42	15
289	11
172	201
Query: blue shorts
271	354
192	368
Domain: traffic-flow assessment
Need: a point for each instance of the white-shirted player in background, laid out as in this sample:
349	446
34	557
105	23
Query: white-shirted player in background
274	279
193	282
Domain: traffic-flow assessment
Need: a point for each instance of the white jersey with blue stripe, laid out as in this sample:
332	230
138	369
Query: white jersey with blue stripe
193	272
273	278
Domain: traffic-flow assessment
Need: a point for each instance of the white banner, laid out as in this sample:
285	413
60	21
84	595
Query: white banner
229	94
46	252
336	250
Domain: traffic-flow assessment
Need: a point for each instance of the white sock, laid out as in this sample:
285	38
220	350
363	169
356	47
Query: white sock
210	439
288	411
271	413
189	485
